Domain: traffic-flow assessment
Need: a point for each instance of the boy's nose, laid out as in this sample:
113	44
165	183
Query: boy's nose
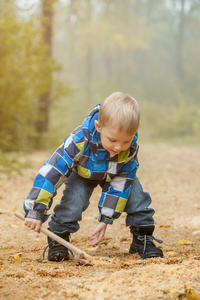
117	147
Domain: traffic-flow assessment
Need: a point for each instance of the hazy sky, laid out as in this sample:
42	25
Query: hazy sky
32	5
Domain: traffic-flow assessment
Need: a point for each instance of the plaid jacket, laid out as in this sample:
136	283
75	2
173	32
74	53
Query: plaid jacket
83	153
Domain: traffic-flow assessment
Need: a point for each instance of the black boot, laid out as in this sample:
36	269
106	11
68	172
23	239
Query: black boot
58	252
143	242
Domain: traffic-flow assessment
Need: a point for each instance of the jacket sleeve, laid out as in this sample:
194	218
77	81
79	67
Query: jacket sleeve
51	176
116	192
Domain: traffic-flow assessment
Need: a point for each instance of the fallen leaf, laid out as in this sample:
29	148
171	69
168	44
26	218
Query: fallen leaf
16	256
3	248
179	195
92	248
185	242
155	216
170	254
25	259
165	226
87	245
191	294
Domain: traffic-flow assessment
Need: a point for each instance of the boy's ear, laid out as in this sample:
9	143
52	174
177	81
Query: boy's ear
97	125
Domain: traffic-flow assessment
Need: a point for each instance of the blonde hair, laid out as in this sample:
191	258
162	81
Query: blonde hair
120	110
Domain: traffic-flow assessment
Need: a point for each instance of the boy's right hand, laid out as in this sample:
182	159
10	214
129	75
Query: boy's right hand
97	234
33	224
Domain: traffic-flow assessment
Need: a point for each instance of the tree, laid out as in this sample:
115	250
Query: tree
24	66
148	48
42	124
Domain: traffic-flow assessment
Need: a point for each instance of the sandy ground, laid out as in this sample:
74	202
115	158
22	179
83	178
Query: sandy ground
171	175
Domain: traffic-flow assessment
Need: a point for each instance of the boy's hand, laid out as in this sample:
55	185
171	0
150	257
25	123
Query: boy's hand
97	234
33	224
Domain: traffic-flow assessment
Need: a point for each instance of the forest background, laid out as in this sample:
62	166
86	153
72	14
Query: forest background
60	58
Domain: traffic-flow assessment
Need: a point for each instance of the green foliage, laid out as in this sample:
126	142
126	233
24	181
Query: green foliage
24	77
143	47
173	124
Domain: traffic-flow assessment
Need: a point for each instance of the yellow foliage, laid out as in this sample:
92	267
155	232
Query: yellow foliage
25	75
185	242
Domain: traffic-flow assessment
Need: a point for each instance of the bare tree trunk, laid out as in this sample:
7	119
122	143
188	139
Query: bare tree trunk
180	42
83	12
42	125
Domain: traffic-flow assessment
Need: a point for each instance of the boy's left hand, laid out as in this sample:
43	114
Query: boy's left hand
97	234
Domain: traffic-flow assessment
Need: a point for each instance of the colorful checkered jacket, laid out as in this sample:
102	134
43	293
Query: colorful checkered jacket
83	153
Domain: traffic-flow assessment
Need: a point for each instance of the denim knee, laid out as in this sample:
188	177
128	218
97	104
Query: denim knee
74	201
137	208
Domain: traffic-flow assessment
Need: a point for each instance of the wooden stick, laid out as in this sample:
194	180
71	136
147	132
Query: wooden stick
58	239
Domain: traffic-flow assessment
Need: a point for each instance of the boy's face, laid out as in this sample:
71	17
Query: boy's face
113	140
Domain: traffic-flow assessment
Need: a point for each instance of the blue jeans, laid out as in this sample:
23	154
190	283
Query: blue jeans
75	200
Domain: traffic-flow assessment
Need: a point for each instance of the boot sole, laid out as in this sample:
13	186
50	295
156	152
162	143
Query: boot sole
144	256
58	257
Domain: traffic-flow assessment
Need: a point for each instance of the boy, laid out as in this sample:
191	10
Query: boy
102	151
